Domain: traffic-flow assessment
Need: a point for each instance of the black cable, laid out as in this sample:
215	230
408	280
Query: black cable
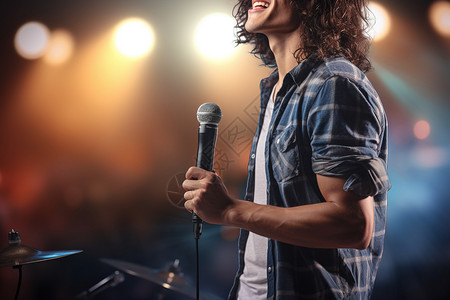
20	280
197	227
198	269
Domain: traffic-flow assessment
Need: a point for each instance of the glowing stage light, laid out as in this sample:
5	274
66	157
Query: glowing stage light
134	37
31	40
60	47
379	22
439	15
427	156
214	36
422	129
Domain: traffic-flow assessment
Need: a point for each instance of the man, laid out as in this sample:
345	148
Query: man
313	219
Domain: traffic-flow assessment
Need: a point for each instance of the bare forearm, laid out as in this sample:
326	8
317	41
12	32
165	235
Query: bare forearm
344	220
321	225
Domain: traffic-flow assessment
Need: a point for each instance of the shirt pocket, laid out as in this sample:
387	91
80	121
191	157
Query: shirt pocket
285	158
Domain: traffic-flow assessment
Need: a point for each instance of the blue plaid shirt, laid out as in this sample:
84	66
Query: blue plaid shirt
327	120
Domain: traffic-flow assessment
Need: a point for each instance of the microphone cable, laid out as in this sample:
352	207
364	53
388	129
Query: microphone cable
198	270
197	227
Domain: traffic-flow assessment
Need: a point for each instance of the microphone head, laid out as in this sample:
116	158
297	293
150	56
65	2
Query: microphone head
209	113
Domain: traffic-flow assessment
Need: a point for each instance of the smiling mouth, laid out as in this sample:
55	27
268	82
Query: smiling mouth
260	4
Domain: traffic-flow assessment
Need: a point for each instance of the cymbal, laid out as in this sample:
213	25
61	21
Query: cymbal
170	279
16	254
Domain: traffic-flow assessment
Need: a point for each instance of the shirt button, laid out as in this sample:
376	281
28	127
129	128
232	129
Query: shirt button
269	269
253	156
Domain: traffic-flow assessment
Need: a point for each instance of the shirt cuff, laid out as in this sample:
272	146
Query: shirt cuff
366	175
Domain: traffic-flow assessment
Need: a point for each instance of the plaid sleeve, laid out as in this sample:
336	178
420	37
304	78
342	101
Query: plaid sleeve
346	126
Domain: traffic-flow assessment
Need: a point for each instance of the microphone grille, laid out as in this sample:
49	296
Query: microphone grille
209	113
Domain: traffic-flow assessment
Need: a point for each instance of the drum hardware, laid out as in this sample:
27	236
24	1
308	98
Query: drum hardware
107	282
171	278
15	255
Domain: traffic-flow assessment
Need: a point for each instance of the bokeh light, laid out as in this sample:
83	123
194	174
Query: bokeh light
214	36
379	22
60	47
439	15
422	129
134	37
31	40
428	157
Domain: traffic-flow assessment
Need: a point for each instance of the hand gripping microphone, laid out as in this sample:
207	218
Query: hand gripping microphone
209	116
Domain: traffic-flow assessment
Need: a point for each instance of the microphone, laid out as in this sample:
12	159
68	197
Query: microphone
209	116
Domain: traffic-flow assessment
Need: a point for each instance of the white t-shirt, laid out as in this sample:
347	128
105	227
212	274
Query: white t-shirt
253	281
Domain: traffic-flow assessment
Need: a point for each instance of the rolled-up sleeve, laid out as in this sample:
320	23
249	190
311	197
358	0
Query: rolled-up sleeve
346	125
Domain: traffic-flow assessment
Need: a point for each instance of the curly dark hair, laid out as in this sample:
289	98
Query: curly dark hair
331	28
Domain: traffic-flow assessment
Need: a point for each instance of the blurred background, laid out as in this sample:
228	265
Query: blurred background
98	125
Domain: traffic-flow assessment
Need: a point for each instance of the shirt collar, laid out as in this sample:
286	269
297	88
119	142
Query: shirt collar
302	70
298	73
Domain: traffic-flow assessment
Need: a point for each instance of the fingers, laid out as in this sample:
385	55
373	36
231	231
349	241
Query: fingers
198	182
196	173
189	195
196	179
191	185
189	206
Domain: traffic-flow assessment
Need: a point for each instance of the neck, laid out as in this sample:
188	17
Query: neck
283	48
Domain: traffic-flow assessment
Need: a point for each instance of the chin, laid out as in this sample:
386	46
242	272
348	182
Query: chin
250	28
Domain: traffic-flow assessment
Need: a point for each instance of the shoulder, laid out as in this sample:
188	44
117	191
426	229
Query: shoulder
342	67
338	80
338	70
335	86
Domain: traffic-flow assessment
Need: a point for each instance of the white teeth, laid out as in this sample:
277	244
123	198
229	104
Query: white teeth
260	4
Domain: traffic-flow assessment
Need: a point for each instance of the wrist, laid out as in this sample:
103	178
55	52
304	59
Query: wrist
234	214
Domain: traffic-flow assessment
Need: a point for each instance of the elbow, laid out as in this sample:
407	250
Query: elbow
363	243
363	235
363	225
